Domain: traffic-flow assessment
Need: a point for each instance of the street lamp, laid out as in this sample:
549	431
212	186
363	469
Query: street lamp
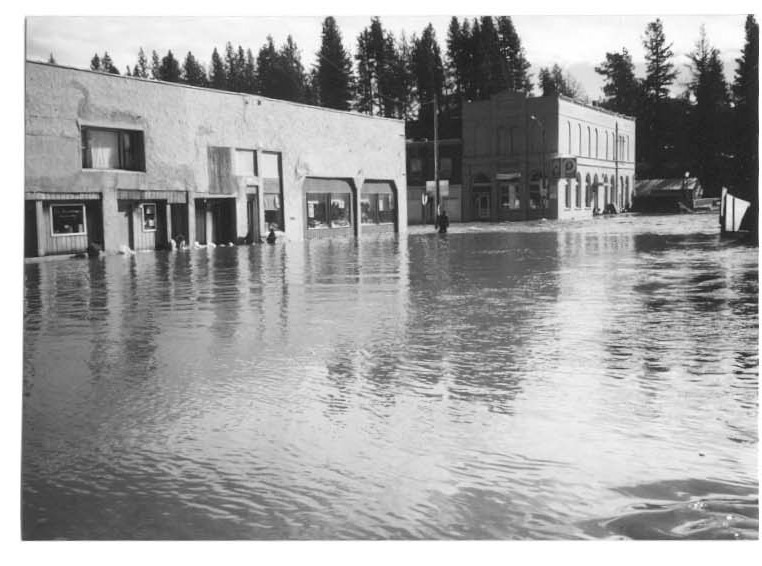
543	198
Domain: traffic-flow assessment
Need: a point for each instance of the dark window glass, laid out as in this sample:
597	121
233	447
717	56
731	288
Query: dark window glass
68	219
112	149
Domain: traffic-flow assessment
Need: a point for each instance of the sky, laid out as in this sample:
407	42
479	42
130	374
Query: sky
577	43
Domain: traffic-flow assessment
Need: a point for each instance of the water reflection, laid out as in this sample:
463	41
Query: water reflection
483	384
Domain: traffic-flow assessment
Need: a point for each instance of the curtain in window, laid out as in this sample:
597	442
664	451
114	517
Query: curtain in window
104	148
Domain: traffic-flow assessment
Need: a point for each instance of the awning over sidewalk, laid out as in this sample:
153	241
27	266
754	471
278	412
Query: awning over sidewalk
169	196
61	196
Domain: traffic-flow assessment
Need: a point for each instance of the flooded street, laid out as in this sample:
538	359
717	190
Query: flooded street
552	380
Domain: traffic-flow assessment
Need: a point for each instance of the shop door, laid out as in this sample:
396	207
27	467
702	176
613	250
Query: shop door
252	215
482	207
200	221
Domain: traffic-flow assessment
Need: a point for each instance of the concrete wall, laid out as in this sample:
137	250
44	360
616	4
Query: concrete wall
180	123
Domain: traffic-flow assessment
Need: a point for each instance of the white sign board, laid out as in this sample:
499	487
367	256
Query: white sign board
444	187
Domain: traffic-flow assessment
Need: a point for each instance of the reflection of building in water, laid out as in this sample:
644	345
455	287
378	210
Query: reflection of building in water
121	161
544	157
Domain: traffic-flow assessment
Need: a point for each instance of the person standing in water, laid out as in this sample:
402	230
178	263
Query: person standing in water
443	222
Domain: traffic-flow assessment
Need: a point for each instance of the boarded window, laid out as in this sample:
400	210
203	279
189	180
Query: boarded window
220	171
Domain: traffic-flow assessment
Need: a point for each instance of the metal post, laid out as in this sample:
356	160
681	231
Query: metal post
436	154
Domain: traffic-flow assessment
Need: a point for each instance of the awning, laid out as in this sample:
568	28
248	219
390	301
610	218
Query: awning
513	176
61	196
169	196
377	187
315	185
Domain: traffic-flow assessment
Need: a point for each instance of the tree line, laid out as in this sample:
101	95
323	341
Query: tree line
709	130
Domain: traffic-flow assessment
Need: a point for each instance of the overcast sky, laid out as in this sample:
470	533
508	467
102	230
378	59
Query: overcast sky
577	43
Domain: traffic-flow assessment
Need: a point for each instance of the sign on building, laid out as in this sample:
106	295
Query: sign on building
444	187
564	167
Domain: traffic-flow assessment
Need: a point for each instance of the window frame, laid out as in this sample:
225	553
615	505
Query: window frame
255	162
55	234
143	206
327	202
137	149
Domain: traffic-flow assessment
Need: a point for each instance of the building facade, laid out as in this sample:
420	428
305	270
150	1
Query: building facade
420	170
545	157
121	161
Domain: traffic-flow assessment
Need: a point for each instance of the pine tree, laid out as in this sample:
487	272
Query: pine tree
660	72
266	61
655	115
746	99
233	69
403	85
107	65
169	69
95	63
333	79
429	73
141	67
51	59
375	58
554	81
518	78
217	73
249	74
709	116
193	73
292	78
622	89
155	66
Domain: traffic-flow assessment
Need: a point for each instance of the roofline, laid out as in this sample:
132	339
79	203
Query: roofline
214	90
592	106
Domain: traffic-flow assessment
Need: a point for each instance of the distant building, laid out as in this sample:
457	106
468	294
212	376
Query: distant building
544	157
121	161
667	195
420	170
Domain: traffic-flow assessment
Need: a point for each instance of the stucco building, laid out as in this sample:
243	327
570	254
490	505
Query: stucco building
544	157
122	161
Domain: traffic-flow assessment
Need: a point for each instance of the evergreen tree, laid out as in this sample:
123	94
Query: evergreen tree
95	63
710	115
290	70
746	99
217	73
107	65
52	60
234	63
375	60
169	69
429	74
141	67
155	66
266	62
403	84
249	74
193	73
622	89
554	81
490	66
457	59
333	78
660	72
518	78
654	117
127	72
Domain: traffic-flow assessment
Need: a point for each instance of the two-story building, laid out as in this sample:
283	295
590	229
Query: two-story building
420	171
544	157
122	161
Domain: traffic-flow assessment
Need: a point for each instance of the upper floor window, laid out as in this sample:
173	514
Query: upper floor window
588	141
270	165
112	149
245	163
445	168
579	148
569	145
416	165
596	143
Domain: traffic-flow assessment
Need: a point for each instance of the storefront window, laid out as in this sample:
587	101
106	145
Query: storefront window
509	196
68	220
317	213
149	217
340	210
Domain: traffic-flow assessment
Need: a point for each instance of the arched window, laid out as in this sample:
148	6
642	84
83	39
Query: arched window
621	193
567	200
596	143
606	135
628	148
589	193
579	148
605	188
627	192
569	146
588	141
578	192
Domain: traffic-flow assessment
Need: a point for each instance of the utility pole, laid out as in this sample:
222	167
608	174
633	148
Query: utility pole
436	154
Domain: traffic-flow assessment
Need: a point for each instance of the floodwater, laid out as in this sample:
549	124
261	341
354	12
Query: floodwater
546	380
